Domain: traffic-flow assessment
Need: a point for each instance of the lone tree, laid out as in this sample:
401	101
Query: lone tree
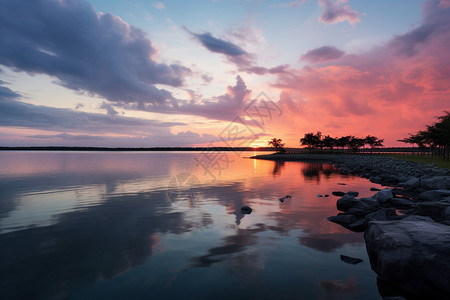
277	144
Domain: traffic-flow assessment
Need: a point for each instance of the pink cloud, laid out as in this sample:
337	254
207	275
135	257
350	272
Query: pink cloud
389	91
336	11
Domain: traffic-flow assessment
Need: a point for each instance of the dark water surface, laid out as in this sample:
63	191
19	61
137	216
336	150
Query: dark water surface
151	225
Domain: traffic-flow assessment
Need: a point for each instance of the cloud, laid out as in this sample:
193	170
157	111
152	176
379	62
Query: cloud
336	11
95	53
389	91
217	45
235	54
66	136
109	109
289	4
322	54
20	114
159	5
6	93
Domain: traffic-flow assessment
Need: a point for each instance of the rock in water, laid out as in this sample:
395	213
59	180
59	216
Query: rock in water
374	189
326	195
353	194
319	195
351	260
281	199
340	183
287	196
412	253
246	210
338	193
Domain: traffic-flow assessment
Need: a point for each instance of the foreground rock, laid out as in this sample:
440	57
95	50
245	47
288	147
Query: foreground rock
412	253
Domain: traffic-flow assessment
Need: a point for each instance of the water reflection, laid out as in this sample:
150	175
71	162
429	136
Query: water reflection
102	225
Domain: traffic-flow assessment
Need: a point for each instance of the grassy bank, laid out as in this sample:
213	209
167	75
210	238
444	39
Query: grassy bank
436	160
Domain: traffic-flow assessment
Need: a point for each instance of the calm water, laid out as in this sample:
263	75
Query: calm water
91	225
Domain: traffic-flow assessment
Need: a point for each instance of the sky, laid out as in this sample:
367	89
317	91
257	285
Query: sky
137	73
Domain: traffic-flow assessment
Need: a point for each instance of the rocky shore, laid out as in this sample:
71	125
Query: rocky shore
406	225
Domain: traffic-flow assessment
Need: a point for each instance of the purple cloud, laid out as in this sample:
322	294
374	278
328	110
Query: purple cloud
336	11
91	52
322	54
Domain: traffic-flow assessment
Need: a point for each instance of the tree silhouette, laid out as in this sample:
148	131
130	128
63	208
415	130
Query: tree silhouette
277	144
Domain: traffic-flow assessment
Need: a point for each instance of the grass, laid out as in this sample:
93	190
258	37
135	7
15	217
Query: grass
436	160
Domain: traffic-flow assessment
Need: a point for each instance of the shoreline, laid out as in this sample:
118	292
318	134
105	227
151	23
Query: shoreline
409	250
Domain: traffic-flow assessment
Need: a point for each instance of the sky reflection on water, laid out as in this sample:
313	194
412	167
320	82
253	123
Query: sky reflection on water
101	225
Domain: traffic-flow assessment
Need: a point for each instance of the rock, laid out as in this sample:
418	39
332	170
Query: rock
338	193
360	209
430	196
435	210
326	195
384	195
410	183
346	202
287	196
319	195
352	193
358	226
351	260
340	183
370	201
281	199
411	253
381	214
343	219
436	183
444	193
374	189
401	203
246	210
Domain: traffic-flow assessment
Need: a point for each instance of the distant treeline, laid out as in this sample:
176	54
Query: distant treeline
64	148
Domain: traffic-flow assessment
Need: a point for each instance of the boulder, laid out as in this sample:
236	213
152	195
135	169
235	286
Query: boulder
410	183
384	195
436	183
352	193
401	203
374	189
435	210
444	193
411	253
370	201
381	214
430	196
343	219
346	202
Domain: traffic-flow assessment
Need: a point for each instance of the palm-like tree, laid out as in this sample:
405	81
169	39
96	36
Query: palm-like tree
277	144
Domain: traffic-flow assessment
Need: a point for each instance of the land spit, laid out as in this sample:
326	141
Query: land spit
406	225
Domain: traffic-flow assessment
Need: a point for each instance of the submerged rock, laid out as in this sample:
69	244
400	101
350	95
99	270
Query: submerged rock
246	209
412	253
338	193
319	195
351	260
282	199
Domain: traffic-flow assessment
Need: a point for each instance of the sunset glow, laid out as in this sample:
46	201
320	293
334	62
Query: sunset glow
172	74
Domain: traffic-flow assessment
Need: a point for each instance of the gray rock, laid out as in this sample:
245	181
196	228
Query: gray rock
436	183
370	201
401	203
435	210
381	214
352	193
430	196
346	202
343	219
410	183
411	253
384	195
374	189
444	193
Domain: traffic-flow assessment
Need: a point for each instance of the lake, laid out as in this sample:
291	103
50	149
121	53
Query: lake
168	225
